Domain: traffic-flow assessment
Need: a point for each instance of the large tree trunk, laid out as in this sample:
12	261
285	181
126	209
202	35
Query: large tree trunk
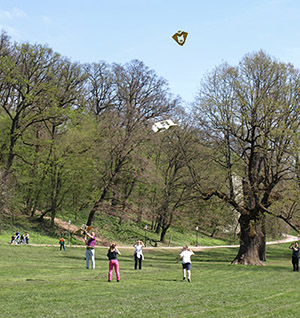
158	224
92	213
262	249
164	228
252	239
96	207
3	192
163	234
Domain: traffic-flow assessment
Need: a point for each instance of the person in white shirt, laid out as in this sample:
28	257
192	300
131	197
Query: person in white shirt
138	255
185	256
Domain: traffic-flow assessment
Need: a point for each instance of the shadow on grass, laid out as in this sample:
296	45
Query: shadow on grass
75	257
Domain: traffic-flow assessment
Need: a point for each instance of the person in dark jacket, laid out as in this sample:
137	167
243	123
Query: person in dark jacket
112	255
295	256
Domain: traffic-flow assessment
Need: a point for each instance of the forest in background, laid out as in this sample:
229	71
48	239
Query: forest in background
77	139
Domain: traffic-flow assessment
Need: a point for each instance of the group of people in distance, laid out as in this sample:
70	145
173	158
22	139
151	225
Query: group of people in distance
185	257
112	255
20	238
113	252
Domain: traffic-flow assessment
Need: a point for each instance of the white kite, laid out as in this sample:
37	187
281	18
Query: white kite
163	125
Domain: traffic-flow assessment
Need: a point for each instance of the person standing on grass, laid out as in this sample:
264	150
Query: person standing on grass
17	237
22	239
13	240
112	255
138	255
62	244
27	238
90	241
185	255
295	256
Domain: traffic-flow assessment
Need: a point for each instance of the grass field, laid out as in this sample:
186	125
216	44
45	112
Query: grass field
45	282
107	229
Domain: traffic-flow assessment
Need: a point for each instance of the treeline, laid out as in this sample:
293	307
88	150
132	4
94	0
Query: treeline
77	137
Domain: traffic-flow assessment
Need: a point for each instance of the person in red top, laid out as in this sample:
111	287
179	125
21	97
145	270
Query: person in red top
62	244
90	241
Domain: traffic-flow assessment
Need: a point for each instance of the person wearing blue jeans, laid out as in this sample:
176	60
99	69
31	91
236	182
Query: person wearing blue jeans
90	242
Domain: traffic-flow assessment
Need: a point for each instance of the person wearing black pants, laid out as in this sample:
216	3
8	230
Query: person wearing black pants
295	256
138	255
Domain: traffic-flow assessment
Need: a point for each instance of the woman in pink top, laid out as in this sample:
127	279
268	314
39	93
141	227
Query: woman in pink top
112	255
90	242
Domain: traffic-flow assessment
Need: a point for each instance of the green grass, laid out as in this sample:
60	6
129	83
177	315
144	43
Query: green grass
130	231
46	282
107	230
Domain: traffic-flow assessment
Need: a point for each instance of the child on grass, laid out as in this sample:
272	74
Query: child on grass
112	255
185	255
62	244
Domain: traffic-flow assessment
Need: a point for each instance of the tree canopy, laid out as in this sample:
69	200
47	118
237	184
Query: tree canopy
251	114
77	137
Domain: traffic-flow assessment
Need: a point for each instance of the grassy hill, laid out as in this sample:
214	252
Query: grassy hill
107	229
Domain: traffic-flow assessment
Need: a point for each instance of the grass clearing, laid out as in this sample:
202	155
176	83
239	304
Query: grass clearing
107	230
45	282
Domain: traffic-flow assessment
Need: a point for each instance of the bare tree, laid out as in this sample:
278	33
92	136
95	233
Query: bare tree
250	114
139	97
101	90
176	148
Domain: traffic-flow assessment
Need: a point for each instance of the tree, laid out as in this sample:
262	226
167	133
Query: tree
139	97
101	90
69	80
26	73
175	149
39	90
250	116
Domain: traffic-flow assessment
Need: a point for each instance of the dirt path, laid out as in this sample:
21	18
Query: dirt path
287	239
64	225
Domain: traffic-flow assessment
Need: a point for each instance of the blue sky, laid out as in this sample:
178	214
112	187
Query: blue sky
122	30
